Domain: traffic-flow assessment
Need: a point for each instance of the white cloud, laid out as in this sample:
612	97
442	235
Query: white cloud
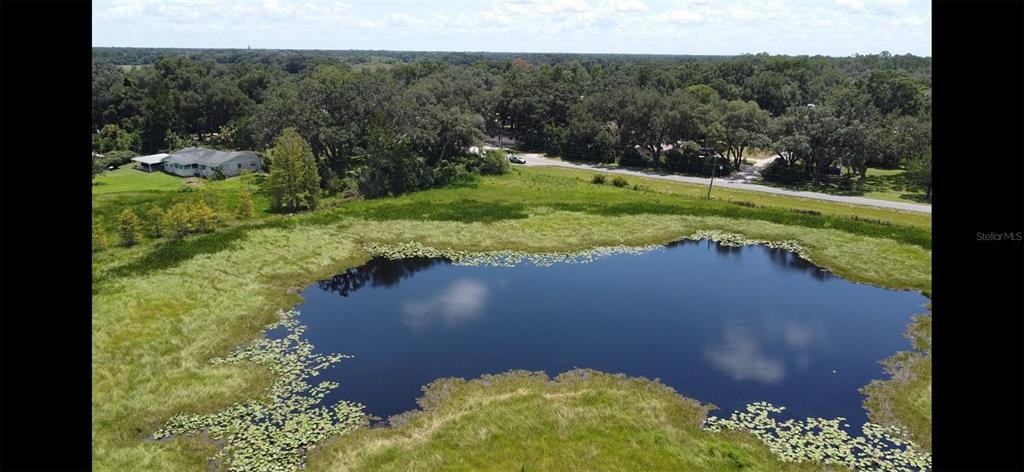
910	21
856	6
627	6
637	26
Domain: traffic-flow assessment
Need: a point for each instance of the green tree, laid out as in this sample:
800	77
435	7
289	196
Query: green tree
293	183
99	236
203	217
494	163
155	222
129	227
112	138
744	125
919	171
245	207
178	220
97	167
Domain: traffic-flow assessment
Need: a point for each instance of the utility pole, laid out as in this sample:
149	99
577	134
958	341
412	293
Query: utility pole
714	167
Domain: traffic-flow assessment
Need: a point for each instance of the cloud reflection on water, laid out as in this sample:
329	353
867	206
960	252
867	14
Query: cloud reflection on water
463	301
740	357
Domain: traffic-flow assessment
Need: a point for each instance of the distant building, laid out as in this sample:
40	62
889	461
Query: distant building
201	162
151	162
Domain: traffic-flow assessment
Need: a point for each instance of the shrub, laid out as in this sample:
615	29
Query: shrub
494	163
686	158
632	157
178	220
129	227
780	171
155	222
99	236
115	158
217	174
618	181
210	197
245	208
452	173
203	217
598	179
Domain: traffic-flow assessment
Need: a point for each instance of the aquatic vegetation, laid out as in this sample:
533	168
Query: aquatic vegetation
275	435
904	399
825	441
509	258
734	239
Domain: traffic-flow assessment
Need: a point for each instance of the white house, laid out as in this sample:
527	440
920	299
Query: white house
201	162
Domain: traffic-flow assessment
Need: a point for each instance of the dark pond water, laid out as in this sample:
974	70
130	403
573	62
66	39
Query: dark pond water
724	325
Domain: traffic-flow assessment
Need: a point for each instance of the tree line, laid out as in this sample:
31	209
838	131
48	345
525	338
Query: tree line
382	123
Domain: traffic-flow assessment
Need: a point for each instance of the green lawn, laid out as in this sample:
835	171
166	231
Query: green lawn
581	420
128	179
880	184
163	309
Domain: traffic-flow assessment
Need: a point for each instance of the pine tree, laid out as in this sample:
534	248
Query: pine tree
129	227
203	217
178	220
245	208
294	183
99	236
155	222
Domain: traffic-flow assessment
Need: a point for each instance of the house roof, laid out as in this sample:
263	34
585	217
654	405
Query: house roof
151	159
205	156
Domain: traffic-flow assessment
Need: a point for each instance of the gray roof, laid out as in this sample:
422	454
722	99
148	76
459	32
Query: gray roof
205	156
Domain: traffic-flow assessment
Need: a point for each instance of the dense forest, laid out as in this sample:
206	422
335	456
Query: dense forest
410	118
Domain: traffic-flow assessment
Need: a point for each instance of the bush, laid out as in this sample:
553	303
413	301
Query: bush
780	171
618	181
99	236
494	163
210	197
245	208
155	222
129	227
452	173
217	174
632	157
178	220
686	158
598	179
203	217
115	158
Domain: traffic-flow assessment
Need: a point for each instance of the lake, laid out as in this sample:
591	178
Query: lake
723	325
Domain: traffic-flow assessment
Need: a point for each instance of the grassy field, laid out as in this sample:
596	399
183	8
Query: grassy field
525	421
880	184
163	309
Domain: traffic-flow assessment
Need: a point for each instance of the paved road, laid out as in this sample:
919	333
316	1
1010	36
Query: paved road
538	160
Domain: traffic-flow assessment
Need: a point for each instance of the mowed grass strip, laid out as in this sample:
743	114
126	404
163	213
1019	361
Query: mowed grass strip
580	420
156	327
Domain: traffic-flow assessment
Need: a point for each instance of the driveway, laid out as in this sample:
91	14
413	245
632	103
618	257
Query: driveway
533	159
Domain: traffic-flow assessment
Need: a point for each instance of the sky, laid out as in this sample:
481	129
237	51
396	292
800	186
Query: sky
716	27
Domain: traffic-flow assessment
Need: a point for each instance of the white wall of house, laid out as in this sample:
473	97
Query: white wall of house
179	170
234	166
231	167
